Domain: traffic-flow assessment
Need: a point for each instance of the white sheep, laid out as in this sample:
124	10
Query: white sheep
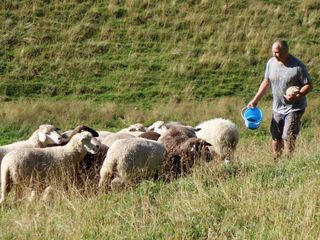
161	126
44	136
134	129
130	159
223	135
103	134
30	166
109	140
158	127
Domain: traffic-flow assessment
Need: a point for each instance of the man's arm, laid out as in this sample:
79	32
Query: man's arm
264	86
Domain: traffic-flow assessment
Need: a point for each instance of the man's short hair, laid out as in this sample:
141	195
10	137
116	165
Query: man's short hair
282	43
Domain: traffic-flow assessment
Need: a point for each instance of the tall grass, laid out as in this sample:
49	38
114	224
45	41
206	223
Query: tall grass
254	198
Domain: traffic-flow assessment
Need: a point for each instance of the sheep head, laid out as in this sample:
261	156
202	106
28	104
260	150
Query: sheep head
49	135
158	127
89	143
196	148
69	134
138	127
82	128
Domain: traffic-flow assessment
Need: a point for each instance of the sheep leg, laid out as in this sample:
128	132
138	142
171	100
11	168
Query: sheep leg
107	173
117	183
103	178
47	194
18	193
229	155
6	185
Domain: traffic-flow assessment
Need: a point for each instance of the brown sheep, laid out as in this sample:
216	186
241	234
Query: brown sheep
183	150
150	135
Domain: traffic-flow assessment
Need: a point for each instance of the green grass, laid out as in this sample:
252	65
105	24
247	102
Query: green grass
108	64
131	51
254	198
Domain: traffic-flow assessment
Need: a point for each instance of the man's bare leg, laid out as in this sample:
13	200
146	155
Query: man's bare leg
277	146
289	146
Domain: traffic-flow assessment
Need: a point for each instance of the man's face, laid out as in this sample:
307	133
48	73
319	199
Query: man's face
281	54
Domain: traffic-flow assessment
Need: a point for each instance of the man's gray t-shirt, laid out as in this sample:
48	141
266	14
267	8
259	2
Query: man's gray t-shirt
283	76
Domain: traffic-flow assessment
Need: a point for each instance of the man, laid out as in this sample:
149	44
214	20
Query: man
283	71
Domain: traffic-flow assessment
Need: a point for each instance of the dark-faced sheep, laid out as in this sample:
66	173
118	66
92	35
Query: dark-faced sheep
150	135
184	149
87	170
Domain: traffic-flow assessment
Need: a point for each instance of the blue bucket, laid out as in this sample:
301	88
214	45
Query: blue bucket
252	117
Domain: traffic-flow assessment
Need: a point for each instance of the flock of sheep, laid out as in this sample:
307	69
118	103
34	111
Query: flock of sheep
112	160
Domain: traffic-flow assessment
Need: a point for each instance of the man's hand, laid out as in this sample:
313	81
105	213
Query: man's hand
293	97
252	104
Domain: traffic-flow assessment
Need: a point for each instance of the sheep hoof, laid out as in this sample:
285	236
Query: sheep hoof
117	184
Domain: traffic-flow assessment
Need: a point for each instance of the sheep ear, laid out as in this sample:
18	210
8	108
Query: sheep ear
164	127
42	136
131	129
193	148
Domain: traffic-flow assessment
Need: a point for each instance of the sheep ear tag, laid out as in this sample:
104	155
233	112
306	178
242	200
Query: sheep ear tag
193	148
42	136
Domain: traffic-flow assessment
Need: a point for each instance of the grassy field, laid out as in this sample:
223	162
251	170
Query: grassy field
108	64
254	198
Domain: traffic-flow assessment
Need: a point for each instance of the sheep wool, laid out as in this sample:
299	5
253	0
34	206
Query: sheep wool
223	134
28	166
130	160
46	135
183	150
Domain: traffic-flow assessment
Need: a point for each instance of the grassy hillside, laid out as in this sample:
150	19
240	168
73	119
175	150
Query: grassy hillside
148	50
80	62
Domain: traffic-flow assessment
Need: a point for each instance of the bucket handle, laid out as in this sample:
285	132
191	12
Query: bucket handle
242	112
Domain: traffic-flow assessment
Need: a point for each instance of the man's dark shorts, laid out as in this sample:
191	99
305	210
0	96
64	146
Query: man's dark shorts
286	126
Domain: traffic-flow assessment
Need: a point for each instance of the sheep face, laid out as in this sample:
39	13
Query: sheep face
158	127
138	127
90	143
49	134
200	149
